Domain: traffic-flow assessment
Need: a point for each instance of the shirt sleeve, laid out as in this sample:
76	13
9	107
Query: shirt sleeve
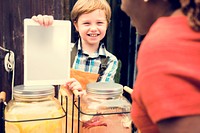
169	84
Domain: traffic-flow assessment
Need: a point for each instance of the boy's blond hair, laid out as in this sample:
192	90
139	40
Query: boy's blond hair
87	6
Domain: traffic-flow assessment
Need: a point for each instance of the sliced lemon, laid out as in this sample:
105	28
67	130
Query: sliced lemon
12	128
35	128
54	126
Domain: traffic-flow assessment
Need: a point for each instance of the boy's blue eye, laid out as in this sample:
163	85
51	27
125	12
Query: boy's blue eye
86	23
100	23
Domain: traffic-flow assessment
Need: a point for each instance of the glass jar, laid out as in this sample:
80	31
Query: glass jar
34	109
104	109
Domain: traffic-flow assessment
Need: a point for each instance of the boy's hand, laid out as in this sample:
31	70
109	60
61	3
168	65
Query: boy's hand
73	84
44	20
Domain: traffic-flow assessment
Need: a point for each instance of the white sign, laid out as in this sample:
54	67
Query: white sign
46	53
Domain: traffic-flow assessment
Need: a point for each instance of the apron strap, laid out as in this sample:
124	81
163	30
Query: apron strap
73	53
103	65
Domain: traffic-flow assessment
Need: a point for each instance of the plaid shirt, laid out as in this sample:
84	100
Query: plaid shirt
91	63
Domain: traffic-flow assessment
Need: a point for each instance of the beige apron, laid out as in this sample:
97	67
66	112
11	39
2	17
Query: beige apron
84	78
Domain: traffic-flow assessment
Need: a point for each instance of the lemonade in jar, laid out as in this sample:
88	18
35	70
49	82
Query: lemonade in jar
34	109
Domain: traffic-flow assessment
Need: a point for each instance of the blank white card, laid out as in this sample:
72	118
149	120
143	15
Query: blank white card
46	53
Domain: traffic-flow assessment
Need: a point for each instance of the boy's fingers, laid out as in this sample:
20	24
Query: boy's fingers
34	18
75	86
69	81
44	20
40	19
51	20
47	20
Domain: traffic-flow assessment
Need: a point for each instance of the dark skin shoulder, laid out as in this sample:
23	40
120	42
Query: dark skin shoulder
187	124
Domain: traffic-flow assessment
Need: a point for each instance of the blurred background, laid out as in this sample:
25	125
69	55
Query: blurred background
120	38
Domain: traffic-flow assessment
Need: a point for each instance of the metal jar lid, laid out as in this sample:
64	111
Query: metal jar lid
33	91
104	88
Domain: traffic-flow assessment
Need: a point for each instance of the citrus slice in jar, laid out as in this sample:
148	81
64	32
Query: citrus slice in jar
54	126
12	128
35	128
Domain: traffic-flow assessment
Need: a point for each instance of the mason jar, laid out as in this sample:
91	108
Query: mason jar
104	109
34	109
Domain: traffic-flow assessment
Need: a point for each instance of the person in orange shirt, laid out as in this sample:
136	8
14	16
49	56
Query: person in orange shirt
166	94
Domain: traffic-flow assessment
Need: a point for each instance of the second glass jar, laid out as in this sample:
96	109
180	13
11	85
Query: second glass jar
104	109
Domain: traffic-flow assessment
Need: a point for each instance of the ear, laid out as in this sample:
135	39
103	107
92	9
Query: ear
75	25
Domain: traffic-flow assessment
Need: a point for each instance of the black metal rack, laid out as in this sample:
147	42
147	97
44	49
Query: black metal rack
76	102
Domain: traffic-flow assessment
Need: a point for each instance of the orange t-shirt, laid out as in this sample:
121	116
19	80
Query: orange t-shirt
168	80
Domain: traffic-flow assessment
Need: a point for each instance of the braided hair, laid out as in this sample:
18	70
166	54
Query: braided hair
191	8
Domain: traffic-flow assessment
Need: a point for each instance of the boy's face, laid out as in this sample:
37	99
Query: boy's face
92	27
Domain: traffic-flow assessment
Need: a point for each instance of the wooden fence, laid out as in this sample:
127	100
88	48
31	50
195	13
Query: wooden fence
12	14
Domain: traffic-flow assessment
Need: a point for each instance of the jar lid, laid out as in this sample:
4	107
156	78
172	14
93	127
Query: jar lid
33	91
104	88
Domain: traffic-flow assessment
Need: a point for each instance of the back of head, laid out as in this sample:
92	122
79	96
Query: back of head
87	6
191	8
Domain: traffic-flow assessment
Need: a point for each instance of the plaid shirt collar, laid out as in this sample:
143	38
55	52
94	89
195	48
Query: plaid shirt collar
100	52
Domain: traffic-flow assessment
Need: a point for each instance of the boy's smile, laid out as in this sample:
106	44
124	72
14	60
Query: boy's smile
93	35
